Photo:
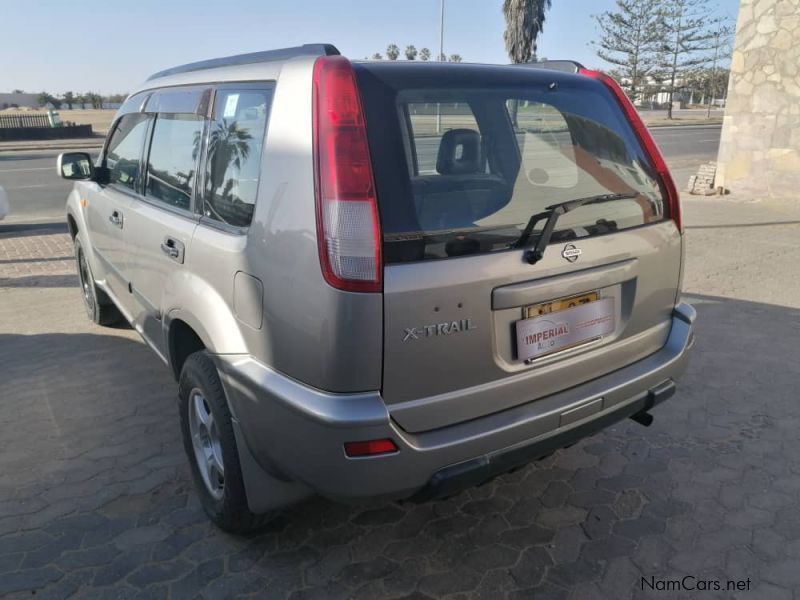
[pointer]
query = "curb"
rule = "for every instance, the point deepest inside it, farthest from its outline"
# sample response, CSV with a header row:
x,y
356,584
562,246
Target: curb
x,y
82,144
701,126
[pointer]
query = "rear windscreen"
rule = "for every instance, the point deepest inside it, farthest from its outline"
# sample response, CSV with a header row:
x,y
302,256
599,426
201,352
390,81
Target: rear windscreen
x,y
461,167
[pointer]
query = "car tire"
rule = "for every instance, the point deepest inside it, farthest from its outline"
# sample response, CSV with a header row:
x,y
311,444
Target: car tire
x,y
210,445
99,307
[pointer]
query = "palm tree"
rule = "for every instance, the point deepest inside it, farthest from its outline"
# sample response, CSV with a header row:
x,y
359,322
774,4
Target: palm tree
x,y
377,56
69,99
392,51
524,23
411,52
455,58
424,54
228,146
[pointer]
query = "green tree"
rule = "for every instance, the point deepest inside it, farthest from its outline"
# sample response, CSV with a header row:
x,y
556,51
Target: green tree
x,y
717,85
46,98
424,54
686,41
411,52
392,51
18,91
377,56
524,23
456,58
629,40
69,99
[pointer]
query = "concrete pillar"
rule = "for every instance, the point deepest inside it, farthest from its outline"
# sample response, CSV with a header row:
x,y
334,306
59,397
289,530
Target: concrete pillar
x,y
759,154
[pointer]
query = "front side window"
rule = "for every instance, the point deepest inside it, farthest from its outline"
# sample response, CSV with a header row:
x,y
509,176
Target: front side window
x,y
235,142
123,156
172,163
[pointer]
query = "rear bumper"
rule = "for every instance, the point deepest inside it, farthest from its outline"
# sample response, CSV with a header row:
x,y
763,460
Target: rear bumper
x,y
297,432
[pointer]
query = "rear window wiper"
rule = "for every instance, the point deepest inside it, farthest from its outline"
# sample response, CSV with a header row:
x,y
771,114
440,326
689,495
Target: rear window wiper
x,y
551,214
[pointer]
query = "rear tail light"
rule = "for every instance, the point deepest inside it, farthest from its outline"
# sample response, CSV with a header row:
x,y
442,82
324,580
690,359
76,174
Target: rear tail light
x,y
654,154
370,448
348,230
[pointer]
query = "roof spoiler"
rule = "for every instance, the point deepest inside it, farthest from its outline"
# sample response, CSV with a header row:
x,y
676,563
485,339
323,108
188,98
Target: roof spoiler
x,y
565,66
250,58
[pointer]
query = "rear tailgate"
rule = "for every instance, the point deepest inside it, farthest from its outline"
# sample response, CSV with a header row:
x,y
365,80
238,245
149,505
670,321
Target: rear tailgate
x,y
463,157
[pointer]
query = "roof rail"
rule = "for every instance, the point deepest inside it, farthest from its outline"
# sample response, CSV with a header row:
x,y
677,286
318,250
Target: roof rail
x,y
252,57
567,66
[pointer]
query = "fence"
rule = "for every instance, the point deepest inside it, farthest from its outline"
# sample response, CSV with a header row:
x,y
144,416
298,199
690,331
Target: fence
x,y
18,121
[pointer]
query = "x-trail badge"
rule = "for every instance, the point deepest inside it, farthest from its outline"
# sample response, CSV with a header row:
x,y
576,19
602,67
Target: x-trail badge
x,y
571,253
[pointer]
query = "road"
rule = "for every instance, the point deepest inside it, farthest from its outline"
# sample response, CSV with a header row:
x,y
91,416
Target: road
x,y
36,193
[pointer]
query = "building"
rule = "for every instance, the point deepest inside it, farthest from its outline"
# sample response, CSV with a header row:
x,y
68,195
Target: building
x,y
19,100
759,154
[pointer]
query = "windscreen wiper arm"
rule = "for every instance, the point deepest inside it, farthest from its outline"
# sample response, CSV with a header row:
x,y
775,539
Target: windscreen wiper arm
x,y
552,213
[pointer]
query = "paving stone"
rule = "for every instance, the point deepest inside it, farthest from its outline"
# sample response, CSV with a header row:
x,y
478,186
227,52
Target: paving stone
x,y
532,565
555,518
629,504
80,559
28,580
570,574
449,582
555,494
524,537
196,580
636,528
120,567
381,516
567,544
353,574
491,557
24,542
608,547
158,572
598,522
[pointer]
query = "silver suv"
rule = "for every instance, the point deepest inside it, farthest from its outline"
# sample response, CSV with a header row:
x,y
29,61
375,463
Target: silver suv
x,y
383,280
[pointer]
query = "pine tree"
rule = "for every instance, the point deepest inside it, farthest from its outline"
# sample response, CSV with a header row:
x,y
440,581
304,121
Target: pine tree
x,y
686,41
629,40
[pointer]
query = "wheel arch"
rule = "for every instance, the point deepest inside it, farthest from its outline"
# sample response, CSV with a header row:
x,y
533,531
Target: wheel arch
x,y
182,341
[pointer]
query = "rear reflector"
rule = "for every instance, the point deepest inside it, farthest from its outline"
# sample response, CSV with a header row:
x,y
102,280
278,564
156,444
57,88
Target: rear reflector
x,y
370,448
348,230
668,188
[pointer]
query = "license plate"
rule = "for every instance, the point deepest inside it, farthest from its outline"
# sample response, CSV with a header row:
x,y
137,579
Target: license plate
x,y
561,329
560,304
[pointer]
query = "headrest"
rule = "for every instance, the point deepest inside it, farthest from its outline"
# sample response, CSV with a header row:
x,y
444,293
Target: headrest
x,y
460,153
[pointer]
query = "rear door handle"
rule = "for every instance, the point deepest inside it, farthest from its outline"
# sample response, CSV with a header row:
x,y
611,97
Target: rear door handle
x,y
173,248
116,219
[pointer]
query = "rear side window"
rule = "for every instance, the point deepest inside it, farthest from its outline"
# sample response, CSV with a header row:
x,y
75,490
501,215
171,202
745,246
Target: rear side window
x,y
235,142
124,151
172,162
471,160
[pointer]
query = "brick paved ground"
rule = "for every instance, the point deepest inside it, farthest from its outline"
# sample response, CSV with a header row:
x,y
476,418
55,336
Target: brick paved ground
x,y
96,501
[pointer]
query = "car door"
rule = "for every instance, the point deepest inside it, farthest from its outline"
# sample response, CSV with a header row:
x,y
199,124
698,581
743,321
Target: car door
x,y
160,224
106,202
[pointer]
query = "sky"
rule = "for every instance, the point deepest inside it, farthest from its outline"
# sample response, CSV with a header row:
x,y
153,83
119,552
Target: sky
x,y
108,46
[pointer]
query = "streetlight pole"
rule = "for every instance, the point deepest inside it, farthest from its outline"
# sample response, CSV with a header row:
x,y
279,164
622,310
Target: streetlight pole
x,y
441,58
713,74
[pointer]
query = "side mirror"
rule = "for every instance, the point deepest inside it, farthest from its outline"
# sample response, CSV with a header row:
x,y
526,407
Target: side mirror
x,y
75,165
